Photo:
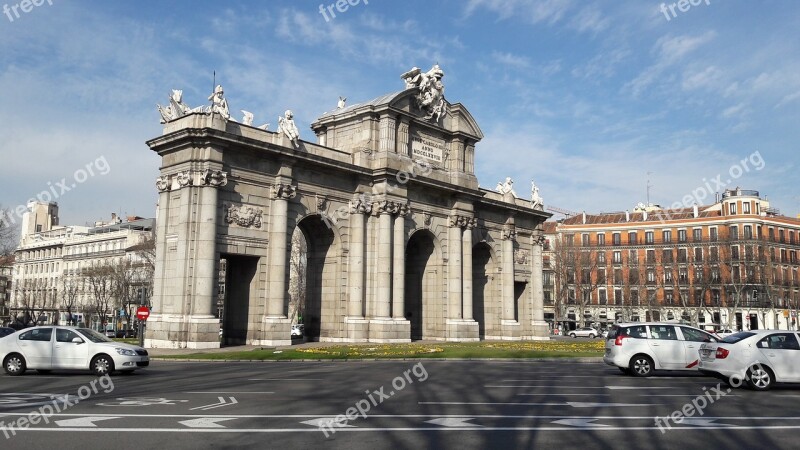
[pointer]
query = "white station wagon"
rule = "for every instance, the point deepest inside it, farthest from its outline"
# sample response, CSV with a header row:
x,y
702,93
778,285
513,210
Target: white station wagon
x,y
641,348
47,348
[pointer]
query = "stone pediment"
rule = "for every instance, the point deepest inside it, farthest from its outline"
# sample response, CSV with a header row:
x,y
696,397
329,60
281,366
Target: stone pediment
x,y
457,120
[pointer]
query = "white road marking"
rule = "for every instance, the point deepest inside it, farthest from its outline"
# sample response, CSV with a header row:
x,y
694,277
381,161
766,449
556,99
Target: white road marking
x,y
544,386
570,395
222,403
453,422
285,379
583,423
227,392
82,421
630,388
678,395
601,405
700,421
322,422
205,422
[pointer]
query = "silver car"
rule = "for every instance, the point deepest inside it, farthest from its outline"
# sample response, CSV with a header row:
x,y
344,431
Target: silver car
x,y
47,348
589,332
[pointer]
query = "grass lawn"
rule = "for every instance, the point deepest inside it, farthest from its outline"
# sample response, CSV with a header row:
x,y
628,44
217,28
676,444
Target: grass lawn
x,y
530,349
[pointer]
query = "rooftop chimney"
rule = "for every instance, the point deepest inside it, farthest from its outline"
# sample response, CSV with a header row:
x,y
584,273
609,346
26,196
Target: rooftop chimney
x,y
694,211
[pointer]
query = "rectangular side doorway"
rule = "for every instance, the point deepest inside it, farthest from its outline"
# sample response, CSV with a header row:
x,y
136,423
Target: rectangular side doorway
x,y
240,285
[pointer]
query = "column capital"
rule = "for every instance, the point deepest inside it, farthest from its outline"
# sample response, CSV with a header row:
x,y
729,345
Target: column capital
x,y
509,233
457,220
359,205
389,207
283,191
538,239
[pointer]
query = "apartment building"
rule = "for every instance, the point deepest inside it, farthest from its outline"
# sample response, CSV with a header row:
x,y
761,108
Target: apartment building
x,y
730,264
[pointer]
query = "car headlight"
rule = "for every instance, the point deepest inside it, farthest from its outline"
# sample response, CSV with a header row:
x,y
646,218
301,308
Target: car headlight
x,y
125,351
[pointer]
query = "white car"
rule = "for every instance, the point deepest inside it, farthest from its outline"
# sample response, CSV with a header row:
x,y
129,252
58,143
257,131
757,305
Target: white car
x,y
47,348
640,348
722,334
759,358
584,332
298,329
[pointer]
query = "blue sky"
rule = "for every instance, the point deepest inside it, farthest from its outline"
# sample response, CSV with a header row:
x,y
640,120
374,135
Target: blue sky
x,y
584,97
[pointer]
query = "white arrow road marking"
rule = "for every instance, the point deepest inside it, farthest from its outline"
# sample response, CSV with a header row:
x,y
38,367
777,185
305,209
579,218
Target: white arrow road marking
x,y
326,422
580,423
221,403
82,421
453,422
700,421
205,422
598,405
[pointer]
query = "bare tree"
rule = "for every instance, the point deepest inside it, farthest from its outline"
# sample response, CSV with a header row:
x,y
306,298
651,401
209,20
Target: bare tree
x,y
71,290
8,233
101,287
32,298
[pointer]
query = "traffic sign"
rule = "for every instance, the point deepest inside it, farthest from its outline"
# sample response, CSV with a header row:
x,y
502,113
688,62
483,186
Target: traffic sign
x,y
142,313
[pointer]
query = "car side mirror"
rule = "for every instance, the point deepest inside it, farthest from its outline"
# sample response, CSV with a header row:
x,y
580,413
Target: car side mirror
x,y
77,340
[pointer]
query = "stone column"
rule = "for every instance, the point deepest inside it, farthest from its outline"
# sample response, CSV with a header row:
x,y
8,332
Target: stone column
x,y
467,270
275,325
454,271
384,288
540,328
278,241
509,234
355,304
399,265
388,128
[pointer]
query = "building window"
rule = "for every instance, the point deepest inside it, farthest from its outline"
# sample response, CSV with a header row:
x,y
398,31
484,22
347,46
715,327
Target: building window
x,y
585,240
601,276
648,237
681,255
698,254
715,275
714,254
781,236
651,276
771,234
681,235
734,252
632,238
683,276
698,273
602,296
697,234
733,232
748,232
618,276
617,296
601,257
601,239
732,207
617,257
634,297
633,276
668,298
666,236
746,208
666,255
651,256
668,276
712,234
569,239
616,239
633,257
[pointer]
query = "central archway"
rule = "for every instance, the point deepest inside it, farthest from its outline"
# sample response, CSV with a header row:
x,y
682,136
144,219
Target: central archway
x,y
322,265
423,287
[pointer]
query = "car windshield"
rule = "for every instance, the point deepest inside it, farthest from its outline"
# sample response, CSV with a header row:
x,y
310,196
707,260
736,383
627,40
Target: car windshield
x,y
93,336
734,338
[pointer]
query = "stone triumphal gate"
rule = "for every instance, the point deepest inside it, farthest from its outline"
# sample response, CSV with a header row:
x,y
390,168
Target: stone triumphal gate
x,y
402,242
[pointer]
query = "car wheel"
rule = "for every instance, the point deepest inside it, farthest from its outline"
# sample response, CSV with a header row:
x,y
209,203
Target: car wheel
x,y
591,336
759,378
14,364
624,370
572,335
102,365
641,366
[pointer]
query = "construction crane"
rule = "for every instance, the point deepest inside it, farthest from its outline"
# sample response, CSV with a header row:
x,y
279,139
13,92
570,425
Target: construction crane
x,y
563,211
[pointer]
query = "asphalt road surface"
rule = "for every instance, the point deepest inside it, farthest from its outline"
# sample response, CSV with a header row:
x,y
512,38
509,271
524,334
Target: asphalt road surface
x,y
391,404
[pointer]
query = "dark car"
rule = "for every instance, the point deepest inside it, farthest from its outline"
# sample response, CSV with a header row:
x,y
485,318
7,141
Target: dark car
x,y
5,331
126,334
